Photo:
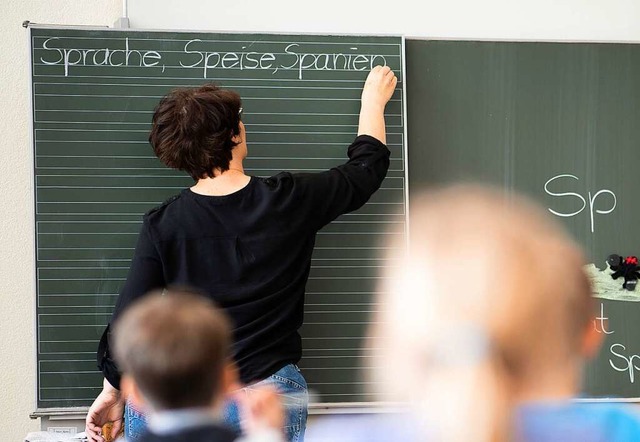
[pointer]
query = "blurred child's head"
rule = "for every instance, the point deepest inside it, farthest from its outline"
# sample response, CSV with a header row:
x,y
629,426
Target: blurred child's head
x,y
489,299
173,349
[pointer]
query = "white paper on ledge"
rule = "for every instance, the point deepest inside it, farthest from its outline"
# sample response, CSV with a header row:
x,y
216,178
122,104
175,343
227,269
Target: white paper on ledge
x,y
45,436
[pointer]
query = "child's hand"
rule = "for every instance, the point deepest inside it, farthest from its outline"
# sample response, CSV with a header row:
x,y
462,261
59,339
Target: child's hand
x,y
261,409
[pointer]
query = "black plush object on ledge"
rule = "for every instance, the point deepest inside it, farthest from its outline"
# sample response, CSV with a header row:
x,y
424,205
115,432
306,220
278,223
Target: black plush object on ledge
x,y
626,267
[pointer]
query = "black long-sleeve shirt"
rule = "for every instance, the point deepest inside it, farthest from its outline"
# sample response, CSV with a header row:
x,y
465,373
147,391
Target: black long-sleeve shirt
x,y
251,252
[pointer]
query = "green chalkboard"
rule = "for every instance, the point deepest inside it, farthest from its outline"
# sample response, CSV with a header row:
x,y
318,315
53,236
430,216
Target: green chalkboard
x,y
95,176
559,122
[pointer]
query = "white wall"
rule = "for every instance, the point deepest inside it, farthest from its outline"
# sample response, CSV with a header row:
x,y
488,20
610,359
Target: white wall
x,y
601,20
606,20
17,287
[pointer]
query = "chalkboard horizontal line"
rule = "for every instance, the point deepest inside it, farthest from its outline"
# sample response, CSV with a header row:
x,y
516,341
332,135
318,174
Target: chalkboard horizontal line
x,y
315,293
213,70
327,312
153,157
200,79
146,124
54,295
330,312
330,338
89,233
140,222
67,352
122,279
74,314
334,65
353,267
84,123
74,340
156,202
126,260
106,221
357,353
70,326
147,157
92,214
85,248
352,133
136,215
339,357
136,234
106,187
158,97
354,367
345,383
353,248
67,388
81,279
98,111
57,129
236,41
331,323
59,222
151,112
374,304
100,202
301,144
163,169
181,177
318,278
131,248
140,214
355,349
127,267
108,309
355,395
338,293
241,53
92,141
347,293
260,87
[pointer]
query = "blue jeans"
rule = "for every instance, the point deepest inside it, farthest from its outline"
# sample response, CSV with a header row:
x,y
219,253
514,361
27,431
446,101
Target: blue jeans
x,y
134,423
293,393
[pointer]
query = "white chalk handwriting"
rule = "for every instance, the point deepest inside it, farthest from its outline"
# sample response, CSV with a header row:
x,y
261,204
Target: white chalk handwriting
x,y
613,201
203,55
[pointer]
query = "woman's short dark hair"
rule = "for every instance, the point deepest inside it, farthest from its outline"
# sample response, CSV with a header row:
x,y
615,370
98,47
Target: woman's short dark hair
x,y
193,129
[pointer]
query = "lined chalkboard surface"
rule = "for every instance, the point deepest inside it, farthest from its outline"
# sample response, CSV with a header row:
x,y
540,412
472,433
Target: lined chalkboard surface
x,y
95,176
559,122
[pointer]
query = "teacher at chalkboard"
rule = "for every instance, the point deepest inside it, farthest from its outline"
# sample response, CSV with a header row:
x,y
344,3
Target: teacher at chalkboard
x,y
244,241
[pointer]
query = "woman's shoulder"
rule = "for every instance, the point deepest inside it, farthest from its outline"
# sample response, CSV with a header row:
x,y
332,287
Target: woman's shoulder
x,y
161,208
277,180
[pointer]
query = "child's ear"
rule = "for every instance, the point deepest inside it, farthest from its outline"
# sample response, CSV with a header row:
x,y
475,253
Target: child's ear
x,y
131,391
592,340
230,378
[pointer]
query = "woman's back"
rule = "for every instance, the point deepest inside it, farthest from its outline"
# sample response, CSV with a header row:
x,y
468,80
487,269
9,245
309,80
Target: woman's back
x,y
250,250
